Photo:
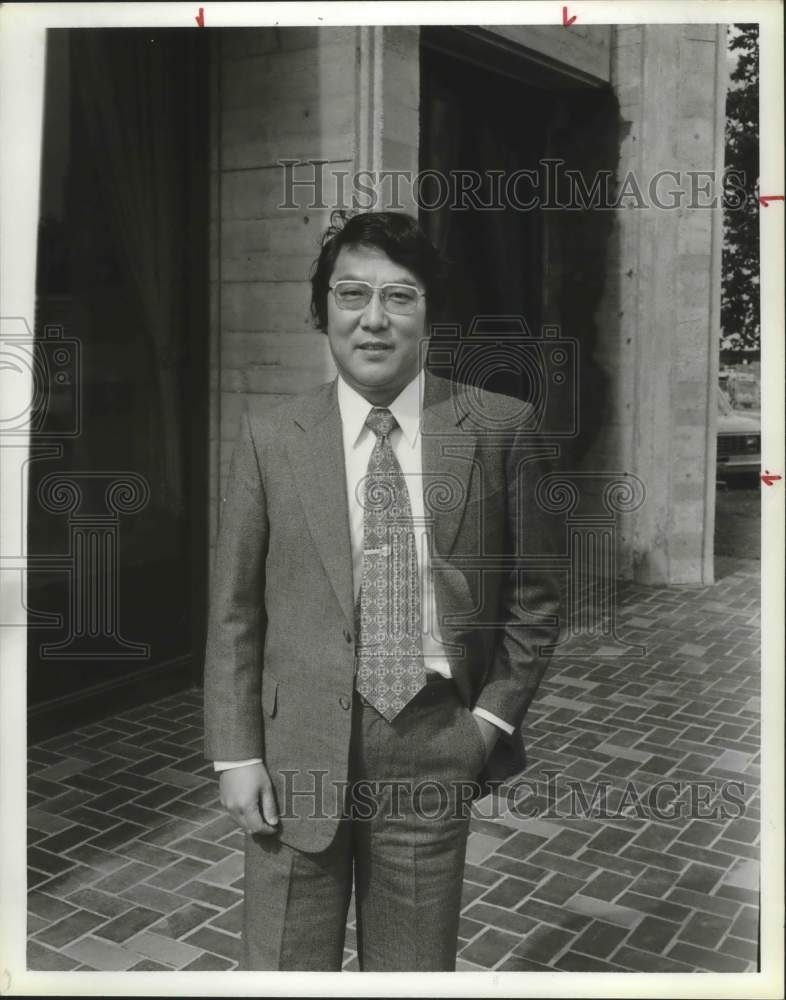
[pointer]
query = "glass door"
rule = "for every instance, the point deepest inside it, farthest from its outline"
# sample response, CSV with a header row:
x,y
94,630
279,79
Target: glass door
x,y
117,493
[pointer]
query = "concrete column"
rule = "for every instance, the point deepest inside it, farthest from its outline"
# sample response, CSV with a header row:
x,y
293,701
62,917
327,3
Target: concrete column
x,y
388,110
670,82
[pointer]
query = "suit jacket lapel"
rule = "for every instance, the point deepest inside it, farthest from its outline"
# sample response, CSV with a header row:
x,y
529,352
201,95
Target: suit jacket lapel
x,y
447,455
316,453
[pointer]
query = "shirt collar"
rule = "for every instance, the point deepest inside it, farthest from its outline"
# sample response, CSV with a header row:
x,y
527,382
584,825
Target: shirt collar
x,y
406,408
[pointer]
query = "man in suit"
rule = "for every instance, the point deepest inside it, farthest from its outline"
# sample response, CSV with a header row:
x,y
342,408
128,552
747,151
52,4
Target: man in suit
x,y
374,641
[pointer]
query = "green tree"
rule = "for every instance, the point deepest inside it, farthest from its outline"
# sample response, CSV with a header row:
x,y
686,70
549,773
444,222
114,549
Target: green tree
x,y
740,289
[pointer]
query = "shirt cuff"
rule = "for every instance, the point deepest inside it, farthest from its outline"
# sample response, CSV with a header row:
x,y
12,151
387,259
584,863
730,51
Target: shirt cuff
x,y
490,717
225,765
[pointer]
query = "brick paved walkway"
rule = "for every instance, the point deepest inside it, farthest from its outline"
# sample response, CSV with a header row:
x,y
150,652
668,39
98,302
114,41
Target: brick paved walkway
x,y
134,866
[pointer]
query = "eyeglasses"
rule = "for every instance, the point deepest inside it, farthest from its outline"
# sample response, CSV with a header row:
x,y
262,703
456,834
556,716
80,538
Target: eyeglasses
x,y
395,298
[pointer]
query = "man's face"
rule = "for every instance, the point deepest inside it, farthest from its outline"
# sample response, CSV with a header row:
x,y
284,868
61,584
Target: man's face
x,y
376,352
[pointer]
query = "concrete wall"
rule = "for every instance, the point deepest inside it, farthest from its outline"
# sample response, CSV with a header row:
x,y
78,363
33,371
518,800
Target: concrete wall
x,y
661,305
583,52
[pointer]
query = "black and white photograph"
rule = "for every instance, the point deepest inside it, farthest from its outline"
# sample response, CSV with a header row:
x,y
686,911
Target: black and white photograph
x,y
392,448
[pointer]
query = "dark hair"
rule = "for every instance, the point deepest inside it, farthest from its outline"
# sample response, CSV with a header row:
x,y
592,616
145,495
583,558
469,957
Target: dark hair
x,y
396,234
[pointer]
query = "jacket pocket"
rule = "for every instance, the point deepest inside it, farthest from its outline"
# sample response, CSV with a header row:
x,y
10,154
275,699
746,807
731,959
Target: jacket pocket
x,y
269,693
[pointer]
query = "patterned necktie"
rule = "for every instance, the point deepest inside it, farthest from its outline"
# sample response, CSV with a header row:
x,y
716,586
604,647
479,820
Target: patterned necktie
x,y
390,669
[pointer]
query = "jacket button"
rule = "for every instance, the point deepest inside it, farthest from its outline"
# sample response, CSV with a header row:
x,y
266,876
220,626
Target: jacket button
x,y
347,635
344,701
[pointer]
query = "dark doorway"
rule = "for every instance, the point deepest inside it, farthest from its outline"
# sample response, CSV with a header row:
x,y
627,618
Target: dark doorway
x,y
117,518
479,124
527,263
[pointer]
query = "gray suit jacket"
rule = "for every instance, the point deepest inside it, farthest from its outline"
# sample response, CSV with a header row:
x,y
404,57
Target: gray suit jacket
x,y
280,660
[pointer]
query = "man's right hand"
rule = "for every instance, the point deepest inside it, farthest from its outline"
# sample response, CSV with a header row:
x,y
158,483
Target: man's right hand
x,y
242,791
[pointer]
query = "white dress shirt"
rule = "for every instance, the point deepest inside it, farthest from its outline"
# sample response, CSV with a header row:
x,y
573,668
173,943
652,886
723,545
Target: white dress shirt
x,y
405,440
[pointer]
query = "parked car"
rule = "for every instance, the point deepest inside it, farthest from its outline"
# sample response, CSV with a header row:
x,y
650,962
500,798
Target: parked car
x,y
739,440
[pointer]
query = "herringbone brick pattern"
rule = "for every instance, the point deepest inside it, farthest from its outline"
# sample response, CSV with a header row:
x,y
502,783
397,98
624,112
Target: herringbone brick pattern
x,y
597,864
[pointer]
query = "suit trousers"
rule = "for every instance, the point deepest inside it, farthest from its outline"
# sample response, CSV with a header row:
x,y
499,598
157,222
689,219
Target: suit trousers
x,y
401,840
